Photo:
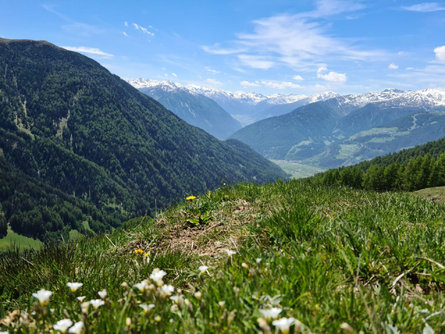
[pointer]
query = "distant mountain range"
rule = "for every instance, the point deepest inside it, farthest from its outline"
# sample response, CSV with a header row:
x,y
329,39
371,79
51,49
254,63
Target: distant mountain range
x,y
348,129
245,107
82,149
195,109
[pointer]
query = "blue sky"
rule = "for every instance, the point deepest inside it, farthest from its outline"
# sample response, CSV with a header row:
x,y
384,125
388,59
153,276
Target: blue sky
x,y
278,46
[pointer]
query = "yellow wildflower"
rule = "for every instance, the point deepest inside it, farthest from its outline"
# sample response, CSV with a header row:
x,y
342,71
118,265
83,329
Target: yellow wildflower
x,y
190,198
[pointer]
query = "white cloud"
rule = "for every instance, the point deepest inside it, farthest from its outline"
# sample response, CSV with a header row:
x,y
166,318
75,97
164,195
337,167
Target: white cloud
x,y
333,7
249,84
393,66
297,78
126,23
143,29
255,61
85,49
425,7
214,82
280,84
216,49
330,76
270,84
440,53
125,34
175,75
211,70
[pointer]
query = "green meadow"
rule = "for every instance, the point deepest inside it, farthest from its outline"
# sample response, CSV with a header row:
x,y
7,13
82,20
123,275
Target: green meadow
x,y
245,259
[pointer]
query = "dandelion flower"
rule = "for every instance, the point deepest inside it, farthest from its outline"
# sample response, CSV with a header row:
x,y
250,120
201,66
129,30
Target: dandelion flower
x,y
166,290
190,198
142,286
283,324
63,325
203,269
81,298
146,308
102,294
138,251
97,303
157,276
77,328
43,296
272,313
74,286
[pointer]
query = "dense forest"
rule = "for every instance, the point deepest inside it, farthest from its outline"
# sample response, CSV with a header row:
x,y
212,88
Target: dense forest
x,y
71,127
412,169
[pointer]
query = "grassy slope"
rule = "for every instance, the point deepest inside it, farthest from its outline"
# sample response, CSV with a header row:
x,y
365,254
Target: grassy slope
x,y
328,255
13,239
435,194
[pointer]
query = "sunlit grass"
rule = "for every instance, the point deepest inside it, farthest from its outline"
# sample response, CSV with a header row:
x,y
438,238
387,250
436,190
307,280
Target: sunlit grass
x,y
320,259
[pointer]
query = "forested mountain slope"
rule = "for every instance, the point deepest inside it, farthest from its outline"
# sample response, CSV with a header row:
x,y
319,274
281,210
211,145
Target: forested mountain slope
x,y
67,122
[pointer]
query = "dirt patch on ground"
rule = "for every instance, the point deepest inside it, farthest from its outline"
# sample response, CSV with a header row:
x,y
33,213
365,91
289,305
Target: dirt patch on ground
x,y
224,231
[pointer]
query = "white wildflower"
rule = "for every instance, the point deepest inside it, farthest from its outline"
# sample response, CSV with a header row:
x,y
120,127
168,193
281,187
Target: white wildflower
x,y
230,252
97,303
43,296
84,306
63,325
198,295
272,313
74,286
258,260
166,290
203,269
81,298
283,324
146,308
102,294
77,328
157,275
142,286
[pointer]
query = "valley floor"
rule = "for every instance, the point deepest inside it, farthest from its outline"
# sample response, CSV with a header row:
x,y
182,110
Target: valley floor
x,y
328,259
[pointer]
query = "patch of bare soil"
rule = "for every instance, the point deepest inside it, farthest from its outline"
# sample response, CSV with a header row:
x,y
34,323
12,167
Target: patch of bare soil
x,y
225,230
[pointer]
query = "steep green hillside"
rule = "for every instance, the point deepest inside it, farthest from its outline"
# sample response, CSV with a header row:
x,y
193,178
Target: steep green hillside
x,y
275,137
69,124
412,169
195,109
330,259
337,132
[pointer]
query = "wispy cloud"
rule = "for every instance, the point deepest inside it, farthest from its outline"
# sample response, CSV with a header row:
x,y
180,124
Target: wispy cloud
x,y
88,50
257,62
125,34
143,29
216,49
214,82
297,41
246,83
324,74
425,7
211,70
440,53
270,84
393,66
297,77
